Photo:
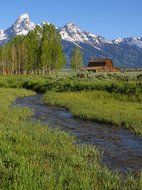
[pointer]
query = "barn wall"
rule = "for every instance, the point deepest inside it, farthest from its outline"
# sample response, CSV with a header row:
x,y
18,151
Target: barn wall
x,y
104,66
109,63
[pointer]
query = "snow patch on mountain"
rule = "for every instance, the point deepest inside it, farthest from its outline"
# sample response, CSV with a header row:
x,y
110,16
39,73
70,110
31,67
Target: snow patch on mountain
x,y
123,51
132,41
74,34
2,35
117,40
69,32
137,41
21,27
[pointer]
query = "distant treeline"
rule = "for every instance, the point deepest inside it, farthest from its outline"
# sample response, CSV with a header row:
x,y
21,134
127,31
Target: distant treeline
x,y
40,51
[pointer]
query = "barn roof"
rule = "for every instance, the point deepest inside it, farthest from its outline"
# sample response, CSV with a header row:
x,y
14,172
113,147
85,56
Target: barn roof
x,y
100,60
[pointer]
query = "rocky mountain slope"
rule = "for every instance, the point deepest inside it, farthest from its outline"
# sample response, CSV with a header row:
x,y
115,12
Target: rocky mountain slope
x,y
126,52
21,27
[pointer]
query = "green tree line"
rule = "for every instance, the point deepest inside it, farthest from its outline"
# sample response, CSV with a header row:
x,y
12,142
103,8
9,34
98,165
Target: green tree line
x,y
40,51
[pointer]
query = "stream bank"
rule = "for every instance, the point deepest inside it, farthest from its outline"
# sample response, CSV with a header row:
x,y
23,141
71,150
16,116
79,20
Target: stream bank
x,y
122,149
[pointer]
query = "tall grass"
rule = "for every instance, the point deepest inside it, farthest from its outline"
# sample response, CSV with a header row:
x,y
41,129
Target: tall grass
x,y
100,106
124,84
35,157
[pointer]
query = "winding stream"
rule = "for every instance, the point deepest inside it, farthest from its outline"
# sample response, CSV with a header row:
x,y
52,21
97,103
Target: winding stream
x,y
122,149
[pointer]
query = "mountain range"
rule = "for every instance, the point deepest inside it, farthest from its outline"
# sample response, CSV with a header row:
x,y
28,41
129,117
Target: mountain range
x,y
125,52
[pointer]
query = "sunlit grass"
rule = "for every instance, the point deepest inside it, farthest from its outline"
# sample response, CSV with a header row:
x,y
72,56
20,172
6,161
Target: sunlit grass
x,y
35,157
100,106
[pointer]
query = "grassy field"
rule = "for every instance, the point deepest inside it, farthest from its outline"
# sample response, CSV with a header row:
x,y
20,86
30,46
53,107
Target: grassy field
x,y
33,156
101,106
109,98
127,84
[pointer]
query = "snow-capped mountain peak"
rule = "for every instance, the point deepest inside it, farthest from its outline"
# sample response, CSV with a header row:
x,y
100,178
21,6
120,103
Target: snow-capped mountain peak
x,y
71,25
74,34
24,16
132,41
20,27
136,41
117,40
23,25
123,51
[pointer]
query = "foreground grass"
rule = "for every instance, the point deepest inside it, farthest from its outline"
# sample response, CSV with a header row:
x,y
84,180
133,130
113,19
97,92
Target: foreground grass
x,y
33,156
100,106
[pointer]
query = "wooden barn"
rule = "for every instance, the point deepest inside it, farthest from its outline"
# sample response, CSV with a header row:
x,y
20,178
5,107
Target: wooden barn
x,y
101,65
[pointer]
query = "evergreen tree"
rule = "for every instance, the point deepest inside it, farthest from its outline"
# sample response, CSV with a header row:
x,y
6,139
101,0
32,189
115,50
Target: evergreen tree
x,y
76,59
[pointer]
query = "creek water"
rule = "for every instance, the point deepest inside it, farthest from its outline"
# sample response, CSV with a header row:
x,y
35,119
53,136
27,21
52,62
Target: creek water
x,y
122,149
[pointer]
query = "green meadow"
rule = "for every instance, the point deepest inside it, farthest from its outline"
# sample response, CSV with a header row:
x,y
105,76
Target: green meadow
x,y
108,98
104,107
33,156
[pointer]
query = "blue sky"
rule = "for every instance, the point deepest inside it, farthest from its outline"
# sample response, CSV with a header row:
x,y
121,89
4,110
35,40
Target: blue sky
x,y
109,18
